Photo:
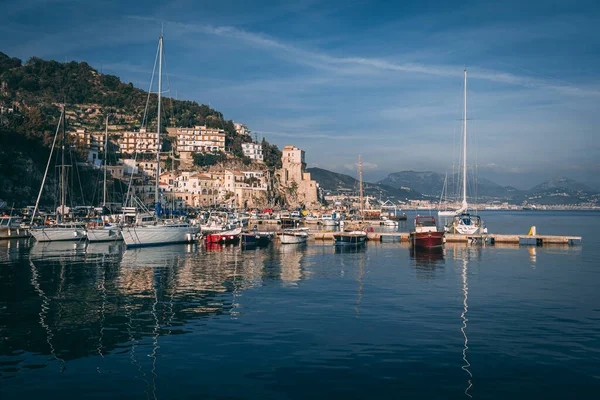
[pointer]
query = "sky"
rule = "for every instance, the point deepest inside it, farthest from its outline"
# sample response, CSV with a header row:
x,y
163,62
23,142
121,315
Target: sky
x,y
339,79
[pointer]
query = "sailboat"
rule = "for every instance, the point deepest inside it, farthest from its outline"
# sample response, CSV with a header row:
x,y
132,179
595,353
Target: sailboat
x,y
62,230
354,235
464,222
101,230
161,231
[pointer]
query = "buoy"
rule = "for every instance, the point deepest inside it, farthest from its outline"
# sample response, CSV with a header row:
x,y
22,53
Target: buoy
x,y
532,231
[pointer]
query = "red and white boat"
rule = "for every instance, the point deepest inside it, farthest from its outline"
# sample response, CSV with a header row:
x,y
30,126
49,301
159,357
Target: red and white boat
x,y
426,233
224,237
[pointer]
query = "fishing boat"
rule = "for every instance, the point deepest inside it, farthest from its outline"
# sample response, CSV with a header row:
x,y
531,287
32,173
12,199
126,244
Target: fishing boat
x,y
61,229
293,236
353,234
426,233
224,237
162,231
463,222
256,238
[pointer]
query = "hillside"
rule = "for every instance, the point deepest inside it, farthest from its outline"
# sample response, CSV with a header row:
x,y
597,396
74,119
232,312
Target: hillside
x,y
31,95
340,183
559,191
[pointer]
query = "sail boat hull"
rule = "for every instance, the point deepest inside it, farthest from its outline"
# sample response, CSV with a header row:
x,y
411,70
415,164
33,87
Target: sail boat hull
x,y
58,234
104,234
155,235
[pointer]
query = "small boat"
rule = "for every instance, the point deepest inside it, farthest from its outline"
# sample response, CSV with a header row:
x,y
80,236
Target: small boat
x,y
389,223
225,237
292,236
329,219
426,233
10,228
256,238
350,238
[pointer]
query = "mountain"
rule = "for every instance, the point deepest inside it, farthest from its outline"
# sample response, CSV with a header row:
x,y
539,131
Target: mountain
x,y
561,191
431,184
340,183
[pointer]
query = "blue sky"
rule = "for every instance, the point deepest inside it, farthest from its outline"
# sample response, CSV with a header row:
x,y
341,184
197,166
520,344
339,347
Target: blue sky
x,y
341,78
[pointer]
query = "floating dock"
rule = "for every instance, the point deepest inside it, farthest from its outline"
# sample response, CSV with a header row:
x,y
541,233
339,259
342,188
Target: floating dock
x,y
488,238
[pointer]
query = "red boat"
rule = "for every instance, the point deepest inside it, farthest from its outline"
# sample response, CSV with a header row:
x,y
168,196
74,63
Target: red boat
x,y
426,233
224,237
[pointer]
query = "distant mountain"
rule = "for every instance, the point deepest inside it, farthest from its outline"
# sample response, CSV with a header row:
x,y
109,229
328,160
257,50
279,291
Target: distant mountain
x,y
561,191
431,184
331,181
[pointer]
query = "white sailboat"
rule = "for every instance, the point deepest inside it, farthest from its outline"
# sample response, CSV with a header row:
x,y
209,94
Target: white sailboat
x,y
61,230
102,230
464,222
161,232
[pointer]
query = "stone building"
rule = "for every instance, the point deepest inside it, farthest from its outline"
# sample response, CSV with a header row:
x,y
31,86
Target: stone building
x,y
295,182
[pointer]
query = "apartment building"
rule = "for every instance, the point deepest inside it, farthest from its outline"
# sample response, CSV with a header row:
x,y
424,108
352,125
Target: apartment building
x,y
253,151
199,139
142,141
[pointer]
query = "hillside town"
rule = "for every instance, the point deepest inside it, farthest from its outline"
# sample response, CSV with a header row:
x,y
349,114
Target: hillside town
x,y
186,186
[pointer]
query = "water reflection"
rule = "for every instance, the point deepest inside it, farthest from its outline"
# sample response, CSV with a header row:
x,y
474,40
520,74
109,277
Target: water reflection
x,y
463,255
94,300
427,260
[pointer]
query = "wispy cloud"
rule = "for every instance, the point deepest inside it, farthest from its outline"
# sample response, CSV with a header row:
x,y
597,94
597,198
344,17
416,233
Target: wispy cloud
x,y
357,65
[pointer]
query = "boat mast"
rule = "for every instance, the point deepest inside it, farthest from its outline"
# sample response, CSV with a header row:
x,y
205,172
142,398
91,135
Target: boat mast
x,y
63,194
160,50
105,160
362,208
464,149
37,202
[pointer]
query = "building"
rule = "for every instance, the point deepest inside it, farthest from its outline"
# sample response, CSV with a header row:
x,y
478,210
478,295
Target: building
x,y
253,151
241,129
199,139
142,141
300,189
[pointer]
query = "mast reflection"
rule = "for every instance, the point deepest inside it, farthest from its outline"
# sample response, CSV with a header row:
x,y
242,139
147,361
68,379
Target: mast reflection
x,y
464,255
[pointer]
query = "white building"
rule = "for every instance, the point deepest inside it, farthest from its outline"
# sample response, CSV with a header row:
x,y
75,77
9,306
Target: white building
x,y
142,141
241,129
253,151
199,139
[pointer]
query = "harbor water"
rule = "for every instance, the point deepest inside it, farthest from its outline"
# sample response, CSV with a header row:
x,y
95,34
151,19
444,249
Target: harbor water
x,y
304,321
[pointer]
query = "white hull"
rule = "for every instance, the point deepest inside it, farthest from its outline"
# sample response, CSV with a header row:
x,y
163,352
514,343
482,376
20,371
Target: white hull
x,y
470,230
293,238
154,235
446,213
329,222
104,234
58,234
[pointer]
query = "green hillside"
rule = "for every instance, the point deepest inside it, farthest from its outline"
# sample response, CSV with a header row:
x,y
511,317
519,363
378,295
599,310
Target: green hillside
x,y
32,94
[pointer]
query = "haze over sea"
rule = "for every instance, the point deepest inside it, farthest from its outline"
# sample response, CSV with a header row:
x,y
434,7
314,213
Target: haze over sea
x,y
186,321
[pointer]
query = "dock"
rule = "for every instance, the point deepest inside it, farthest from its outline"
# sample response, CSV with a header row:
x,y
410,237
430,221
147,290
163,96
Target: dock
x,y
489,238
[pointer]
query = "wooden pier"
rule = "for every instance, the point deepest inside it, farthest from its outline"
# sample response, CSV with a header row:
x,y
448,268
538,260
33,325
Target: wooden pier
x,y
489,238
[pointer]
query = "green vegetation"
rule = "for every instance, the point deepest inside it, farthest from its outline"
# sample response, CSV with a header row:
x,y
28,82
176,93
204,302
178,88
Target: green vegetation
x,y
35,91
208,159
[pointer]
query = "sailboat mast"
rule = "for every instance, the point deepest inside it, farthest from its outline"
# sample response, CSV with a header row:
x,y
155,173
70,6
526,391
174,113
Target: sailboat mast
x,y
63,194
362,207
105,160
464,149
160,51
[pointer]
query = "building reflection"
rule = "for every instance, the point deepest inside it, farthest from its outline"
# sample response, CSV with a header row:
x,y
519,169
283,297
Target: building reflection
x,y
290,256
